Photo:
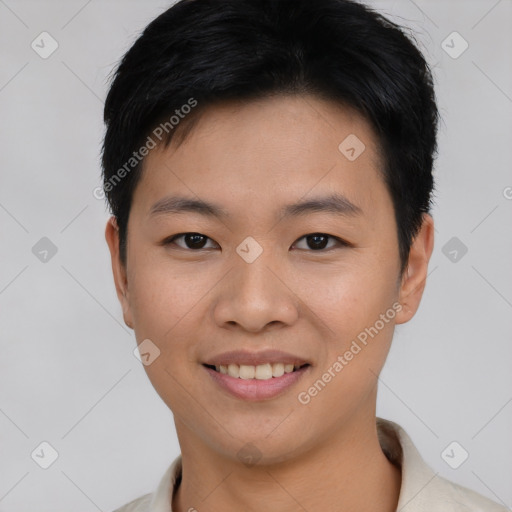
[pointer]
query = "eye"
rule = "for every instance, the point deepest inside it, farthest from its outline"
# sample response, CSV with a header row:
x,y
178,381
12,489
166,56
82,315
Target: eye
x,y
191,240
198,241
318,241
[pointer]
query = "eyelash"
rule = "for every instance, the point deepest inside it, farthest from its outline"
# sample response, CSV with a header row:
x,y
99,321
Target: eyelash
x,y
341,242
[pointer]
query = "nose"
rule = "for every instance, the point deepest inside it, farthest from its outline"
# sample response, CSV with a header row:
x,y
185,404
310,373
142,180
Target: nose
x,y
255,297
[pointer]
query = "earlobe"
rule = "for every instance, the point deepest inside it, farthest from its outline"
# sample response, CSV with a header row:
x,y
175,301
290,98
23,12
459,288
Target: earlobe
x,y
118,269
415,275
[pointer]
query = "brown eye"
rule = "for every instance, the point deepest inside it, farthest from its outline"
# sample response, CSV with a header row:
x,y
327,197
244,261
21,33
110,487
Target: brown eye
x,y
319,241
192,241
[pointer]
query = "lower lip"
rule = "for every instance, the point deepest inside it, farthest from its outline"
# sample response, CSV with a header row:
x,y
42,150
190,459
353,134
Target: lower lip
x,y
255,389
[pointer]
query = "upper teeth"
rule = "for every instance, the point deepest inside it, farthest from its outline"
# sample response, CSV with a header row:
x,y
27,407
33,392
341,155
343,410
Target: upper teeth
x,y
261,372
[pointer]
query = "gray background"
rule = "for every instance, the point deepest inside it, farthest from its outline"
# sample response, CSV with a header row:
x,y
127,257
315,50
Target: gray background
x,y
68,375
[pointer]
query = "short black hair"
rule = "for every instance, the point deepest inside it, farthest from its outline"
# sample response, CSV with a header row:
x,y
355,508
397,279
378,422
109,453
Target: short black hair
x,y
200,52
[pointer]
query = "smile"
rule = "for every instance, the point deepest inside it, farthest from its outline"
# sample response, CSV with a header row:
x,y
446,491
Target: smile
x,y
259,372
256,383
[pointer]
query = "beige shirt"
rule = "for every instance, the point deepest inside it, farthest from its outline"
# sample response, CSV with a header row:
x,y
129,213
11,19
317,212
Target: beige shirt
x,y
421,490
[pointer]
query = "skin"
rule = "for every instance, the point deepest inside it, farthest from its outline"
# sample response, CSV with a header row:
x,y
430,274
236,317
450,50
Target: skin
x,y
253,158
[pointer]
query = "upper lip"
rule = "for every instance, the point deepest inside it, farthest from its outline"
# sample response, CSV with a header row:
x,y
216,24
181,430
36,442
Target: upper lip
x,y
255,358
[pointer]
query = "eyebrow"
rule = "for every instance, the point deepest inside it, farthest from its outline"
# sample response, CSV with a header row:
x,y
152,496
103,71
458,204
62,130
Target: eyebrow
x,y
336,204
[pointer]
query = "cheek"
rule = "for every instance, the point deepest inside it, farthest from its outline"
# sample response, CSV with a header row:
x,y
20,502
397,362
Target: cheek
x,y
161,297
350,297
359,305
347,376
165,306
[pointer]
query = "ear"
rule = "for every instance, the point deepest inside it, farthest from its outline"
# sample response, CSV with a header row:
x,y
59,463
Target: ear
x,y
118,269
415,274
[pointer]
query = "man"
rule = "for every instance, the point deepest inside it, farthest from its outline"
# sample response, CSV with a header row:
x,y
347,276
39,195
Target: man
x,y
268,164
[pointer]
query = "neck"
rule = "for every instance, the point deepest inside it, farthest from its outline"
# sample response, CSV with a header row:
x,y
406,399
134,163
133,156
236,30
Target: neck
x,y
347,472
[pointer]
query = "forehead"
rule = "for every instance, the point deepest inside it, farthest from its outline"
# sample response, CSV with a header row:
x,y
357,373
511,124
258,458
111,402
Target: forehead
x,y
262,152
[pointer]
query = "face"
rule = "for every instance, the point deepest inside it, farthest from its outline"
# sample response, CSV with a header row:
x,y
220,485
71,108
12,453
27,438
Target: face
x,y
293,261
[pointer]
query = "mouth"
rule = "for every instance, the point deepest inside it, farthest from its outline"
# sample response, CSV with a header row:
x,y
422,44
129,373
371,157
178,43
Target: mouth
x,y
259,372
256,383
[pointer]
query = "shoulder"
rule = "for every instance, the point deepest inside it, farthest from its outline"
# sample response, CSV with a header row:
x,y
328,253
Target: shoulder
x,y
424,490
160,499
459,498
138,505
